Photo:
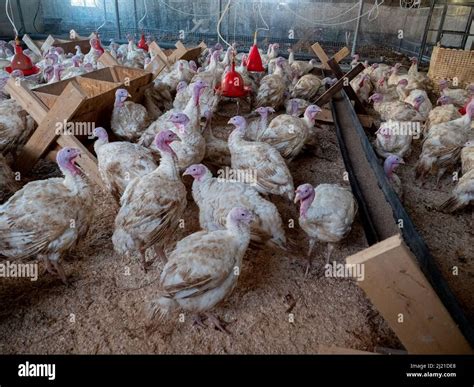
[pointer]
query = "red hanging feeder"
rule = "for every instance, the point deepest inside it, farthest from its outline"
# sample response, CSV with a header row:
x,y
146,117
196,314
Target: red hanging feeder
x,y
232,84
21,61
254,61
142,43
95,43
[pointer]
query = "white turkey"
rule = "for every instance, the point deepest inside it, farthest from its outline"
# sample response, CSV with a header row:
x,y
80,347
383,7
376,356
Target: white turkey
x,y
16,126
8,183
46,218
129,119
152,206
216,196
272,88
288,134
326,214
442,146
272,174
396,110
201,271
390,164
392,140
307,87
443,113
120,162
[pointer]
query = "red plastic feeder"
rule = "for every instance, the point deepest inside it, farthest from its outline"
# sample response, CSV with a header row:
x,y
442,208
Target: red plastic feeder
x,y
22,62
232,85
142,43
254,61
95,43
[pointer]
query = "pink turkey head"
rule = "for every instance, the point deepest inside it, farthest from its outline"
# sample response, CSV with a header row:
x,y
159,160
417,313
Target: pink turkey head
x,y
376,97
164,139
264,111
239,123
418,101
66,158
199,87
182,85
193,65
304,194
180,121
403,82
391,163
443,84
101,134
121,96
413,60
312,111
280,61
197,171
470,109
240,215
443,100
88,67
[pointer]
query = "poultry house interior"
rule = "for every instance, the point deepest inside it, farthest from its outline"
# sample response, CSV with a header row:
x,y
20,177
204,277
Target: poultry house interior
x,y
199,197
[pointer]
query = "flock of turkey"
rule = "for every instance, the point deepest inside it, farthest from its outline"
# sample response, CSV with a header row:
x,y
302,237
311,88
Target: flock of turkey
x,y
172,136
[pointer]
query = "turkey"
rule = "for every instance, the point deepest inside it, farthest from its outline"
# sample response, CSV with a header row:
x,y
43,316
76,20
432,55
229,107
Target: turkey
x,y
390,164
120,162
424,107
326,214
363,87
458,97
129,119
442,146
443,113
192,147
46,218
288,134
395,77
396,110
94,54
300,67
307,87
272,174
8,184
391,140
217,196
463,193
192,111
201,270
16,126
181,72
256,127
183,95
296,106
152,206
272,88
467,156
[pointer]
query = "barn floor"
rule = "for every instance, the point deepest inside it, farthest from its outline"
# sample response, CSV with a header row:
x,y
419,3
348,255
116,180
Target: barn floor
x,y
104,309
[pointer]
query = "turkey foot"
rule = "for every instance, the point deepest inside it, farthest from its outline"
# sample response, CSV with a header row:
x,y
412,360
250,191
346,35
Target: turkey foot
x,y
59,269
198,321
217,323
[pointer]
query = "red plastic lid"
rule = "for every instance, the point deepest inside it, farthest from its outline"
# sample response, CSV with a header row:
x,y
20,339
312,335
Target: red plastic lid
x,y
142,43
232,84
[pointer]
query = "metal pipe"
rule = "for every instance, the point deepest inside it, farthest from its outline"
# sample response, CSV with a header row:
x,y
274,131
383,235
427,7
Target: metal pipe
x,y
356,33
467,29
135,17
117,19
439,35
425,33
20,14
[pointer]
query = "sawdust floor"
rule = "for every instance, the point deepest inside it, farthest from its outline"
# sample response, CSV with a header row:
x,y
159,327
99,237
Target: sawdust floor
x,y
104,309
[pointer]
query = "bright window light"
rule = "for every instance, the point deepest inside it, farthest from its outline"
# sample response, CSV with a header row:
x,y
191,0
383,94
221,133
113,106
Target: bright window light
x,y
83,3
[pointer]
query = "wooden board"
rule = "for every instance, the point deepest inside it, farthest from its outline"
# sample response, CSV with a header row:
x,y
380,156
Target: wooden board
x,y
45,134
326,97
27,99
333,350
31,44
398,289
108,60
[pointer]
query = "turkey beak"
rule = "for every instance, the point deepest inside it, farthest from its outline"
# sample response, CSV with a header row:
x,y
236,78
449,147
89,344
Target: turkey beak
x,y
129,95
297,197
402,161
